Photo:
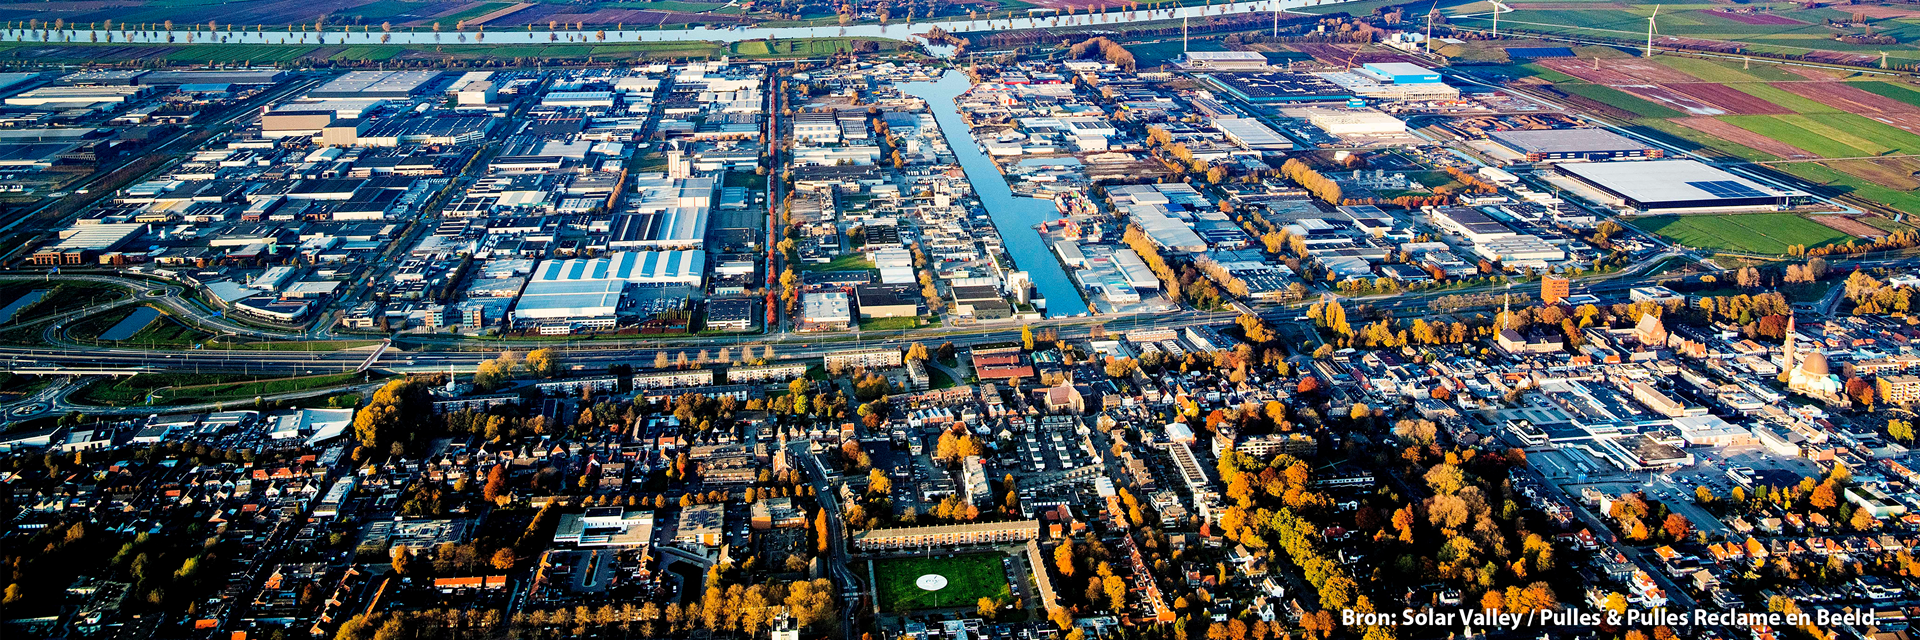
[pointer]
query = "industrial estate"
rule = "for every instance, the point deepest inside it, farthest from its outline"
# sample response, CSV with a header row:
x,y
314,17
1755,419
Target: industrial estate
x,y
959,321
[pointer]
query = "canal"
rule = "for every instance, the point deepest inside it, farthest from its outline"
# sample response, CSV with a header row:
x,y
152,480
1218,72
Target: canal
x,y
1012,215
344,34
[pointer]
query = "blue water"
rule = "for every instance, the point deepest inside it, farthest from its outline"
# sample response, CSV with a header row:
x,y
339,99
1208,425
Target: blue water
x,y
133,323
1012,215
7,312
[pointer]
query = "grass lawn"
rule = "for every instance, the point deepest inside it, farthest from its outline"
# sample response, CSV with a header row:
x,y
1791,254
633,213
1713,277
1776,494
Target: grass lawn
x,y
193,388
892,324
846,262
801,47
940,378
969,578
1769,233
747,179
1158,53
162,332
290,345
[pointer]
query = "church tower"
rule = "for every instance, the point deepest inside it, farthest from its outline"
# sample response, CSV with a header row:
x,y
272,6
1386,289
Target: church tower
x,y
1787,351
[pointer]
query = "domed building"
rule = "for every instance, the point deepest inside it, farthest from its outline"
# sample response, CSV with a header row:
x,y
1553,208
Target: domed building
x,y
1813,378
1810,374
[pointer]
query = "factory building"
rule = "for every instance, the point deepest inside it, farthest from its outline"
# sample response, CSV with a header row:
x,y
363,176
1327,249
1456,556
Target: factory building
x,y
297,120
1540,145
1355,122
559,307
83,243
1223,60
1279,86
90,95
394,132
647,268
377,84
1677,185
1470,224
664,213
825,311
1251,135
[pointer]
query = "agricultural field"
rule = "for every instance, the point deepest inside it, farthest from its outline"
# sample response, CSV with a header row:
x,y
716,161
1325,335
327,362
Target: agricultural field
x,y
1773,27
1766,233
474,11
969,578
1846,133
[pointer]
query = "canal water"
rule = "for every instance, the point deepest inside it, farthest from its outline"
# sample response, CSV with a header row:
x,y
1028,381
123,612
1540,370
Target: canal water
x,y
345,35
1012,215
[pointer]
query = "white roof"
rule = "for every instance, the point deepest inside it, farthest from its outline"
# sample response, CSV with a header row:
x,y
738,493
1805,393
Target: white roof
x,y
1251,133
1657,181
1399,68
1226,55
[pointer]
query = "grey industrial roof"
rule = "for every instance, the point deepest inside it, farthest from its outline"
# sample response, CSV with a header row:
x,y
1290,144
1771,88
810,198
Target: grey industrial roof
x,y
1565,141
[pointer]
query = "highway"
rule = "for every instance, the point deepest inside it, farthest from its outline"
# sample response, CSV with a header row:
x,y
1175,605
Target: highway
x,y
594,356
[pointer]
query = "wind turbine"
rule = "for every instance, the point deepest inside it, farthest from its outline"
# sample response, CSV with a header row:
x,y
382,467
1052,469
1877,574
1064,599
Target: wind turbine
x,y
1650,19
1496,17
1430,13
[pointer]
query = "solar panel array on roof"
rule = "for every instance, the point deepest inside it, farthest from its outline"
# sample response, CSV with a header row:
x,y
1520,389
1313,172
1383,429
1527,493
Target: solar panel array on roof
x,y
1677,184
1728,189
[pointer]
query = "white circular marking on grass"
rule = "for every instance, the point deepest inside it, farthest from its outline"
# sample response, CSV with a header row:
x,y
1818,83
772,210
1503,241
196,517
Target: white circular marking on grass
x,y
931,582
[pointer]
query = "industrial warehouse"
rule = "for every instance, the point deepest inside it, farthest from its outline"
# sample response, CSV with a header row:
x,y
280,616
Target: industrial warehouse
x,y
1538,145
1676,185
1279,86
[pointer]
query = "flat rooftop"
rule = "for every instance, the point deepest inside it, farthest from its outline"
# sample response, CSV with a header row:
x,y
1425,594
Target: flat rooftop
x,y
1675,183
1565,141
1279,86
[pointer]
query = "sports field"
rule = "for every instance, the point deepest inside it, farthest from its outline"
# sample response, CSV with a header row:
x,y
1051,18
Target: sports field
x,y
969,578
1768,233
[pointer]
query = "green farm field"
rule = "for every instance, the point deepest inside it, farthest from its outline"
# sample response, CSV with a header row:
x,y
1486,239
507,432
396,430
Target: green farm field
x,y
1787,28
1768,233
1833,135
969,578
1902,92
474,11
1857,147
1620,100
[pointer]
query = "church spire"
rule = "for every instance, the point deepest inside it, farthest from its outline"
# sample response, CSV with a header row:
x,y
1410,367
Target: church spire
x,y
1787,350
